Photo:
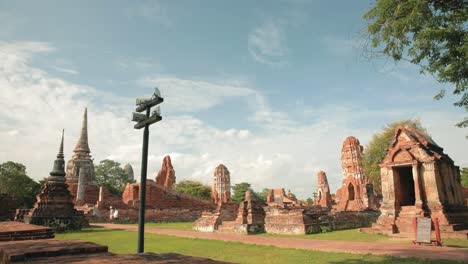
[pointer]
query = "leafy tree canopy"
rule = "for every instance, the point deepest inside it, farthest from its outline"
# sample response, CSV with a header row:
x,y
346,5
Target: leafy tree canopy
x,y
464,177
376,149
13,180
239,191
262,196
110,174
428,33
194,188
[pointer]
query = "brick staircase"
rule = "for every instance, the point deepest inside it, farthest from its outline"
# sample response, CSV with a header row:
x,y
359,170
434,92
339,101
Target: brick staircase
x,y
13,231
226,227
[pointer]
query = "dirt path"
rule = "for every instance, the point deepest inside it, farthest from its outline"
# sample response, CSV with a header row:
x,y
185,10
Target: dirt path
x,y
376,248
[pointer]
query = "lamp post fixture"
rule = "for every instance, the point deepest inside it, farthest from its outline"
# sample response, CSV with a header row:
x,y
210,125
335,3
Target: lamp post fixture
x,y
144,121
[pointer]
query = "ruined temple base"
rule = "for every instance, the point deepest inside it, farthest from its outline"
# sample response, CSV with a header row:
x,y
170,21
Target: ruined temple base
x,y
76,251
13,231
59,224
452,224
300,221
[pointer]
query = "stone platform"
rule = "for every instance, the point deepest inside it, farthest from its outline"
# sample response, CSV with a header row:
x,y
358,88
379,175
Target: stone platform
x,y
77,251
11,231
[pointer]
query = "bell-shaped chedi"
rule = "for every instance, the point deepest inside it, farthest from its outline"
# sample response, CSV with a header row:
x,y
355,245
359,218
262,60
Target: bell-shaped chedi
x,y
128,169
419,179
221,190
80,170
323,191
166,175
356,193
54,206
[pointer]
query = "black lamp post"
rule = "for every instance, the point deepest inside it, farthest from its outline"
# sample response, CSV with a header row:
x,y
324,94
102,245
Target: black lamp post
x,y
144,121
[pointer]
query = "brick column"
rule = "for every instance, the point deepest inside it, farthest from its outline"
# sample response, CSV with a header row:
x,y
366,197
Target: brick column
x,y
417,187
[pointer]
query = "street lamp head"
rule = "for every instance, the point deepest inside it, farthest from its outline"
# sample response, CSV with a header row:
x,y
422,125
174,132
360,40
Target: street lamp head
x,y
137,117
157,111
156,93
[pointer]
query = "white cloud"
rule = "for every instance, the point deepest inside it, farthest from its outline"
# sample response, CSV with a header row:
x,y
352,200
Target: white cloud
x,y
65,70
267,44
35,106
190,95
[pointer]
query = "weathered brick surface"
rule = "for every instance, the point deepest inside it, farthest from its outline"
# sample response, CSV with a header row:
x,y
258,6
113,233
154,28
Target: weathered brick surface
x,y
221,189
166,175
13,231
419,180
76,251
323,191
8,205
356,192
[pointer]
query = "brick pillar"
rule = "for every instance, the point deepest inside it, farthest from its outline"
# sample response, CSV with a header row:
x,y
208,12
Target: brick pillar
x,y
417,187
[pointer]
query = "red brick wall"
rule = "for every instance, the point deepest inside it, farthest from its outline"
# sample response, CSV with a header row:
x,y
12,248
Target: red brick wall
x,y
8,205
159,197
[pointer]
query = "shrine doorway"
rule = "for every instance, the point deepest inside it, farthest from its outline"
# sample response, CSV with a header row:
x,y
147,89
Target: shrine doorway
x,y
405,185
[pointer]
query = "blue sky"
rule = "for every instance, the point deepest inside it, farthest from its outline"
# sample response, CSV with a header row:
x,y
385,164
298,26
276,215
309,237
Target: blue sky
x,y
270,88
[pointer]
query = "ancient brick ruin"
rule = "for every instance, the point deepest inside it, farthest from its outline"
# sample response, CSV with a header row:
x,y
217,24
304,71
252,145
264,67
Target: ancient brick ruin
x,y
356,192
80,170
163,202
166,176
246,217
54,206
323,191
128,169
279,197
8,205
24,243
221,189
419,180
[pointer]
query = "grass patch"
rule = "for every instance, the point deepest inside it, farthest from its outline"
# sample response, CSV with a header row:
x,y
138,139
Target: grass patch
x,y
121,241
340,235
185,226
355,235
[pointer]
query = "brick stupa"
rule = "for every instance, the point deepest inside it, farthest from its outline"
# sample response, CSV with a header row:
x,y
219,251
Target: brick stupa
x,y
323,191
80,170
221,190
54,206
166,176
356,192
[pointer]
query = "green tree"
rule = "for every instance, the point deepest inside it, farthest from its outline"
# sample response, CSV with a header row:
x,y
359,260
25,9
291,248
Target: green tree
x,y
376,150
110,175
13,180
310,201
428,33
194,188
262,196
464,177
239,191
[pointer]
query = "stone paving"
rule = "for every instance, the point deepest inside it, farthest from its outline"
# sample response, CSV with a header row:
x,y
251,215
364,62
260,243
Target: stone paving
x,y
399,250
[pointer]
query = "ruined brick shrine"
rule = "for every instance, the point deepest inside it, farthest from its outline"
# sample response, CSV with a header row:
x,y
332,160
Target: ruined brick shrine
x,y
221,188
419,180
166,176
323,191
80,170
356,192
279,197
54,206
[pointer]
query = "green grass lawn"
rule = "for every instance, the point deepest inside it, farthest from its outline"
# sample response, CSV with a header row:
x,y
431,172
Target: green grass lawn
x,y
341,235
355,235
121,241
